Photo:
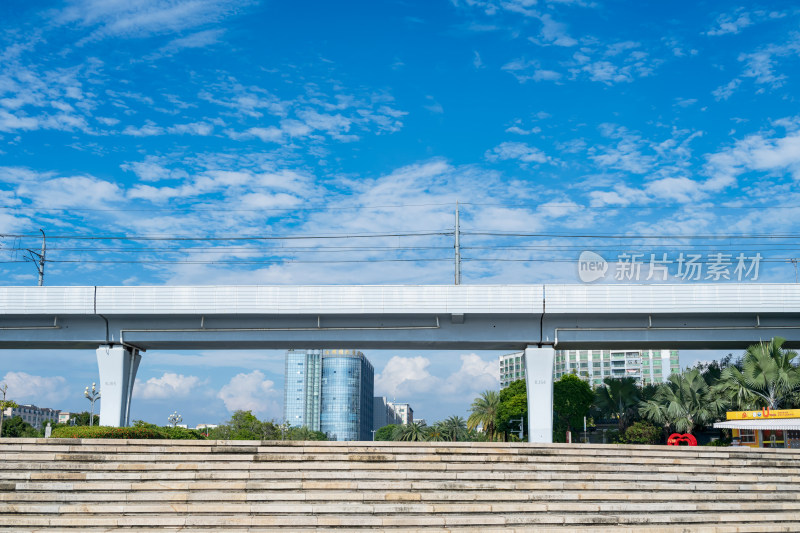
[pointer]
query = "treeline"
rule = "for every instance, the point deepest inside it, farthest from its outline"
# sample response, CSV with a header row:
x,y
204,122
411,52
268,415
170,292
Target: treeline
x,y
493,416
765,376
243,425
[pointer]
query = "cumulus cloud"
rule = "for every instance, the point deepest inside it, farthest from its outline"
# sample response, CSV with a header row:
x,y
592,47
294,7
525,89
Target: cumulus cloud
x,y
251,392
405,376
474,375
43,391
169,385
761,152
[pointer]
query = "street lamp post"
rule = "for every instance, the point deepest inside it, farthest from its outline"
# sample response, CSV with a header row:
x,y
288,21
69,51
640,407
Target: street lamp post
x,y
92,396
175,419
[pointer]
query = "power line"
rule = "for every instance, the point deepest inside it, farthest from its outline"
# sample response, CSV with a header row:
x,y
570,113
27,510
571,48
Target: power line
x,y
362,235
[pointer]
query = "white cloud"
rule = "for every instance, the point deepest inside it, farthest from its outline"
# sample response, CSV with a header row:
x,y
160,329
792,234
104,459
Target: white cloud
x,y
143,17
193,128
525,70
517,150
73,191
251,392
149,129
555,32
169,385
201,39
9,122
41,391
405,377
474,376
724,92
759,152
731,23
477,62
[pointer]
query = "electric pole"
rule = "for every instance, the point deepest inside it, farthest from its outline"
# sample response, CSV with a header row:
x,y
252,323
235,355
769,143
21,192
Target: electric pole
x,y
458,249
38,258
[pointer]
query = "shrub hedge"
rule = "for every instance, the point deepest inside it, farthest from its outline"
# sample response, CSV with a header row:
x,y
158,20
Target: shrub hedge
x,y
106,432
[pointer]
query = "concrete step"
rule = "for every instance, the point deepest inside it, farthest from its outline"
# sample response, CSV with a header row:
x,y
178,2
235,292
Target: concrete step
x,y
231,522
320,496
79,485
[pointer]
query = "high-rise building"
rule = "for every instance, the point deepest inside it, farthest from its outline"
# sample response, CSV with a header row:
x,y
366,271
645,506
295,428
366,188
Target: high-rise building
x,y
301,388
647,367
329,391
512,368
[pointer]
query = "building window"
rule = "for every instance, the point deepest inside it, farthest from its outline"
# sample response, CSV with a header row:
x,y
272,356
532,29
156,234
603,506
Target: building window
x,y
747,436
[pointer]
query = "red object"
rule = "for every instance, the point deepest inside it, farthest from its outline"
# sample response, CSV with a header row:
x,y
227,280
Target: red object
x,y
677,439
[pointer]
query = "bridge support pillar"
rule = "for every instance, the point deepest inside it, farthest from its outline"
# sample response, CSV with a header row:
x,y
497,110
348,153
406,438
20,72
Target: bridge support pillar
x,y
539,381
118,366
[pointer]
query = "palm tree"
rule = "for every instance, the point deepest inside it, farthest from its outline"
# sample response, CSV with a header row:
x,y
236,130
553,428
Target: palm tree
x,y
415,431
435,433
768,378
484,412
683,403
733,387
618,397
454,428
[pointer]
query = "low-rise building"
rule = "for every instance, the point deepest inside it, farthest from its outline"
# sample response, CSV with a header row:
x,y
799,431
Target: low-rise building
x,y
385,413
403,411
37,417
766,428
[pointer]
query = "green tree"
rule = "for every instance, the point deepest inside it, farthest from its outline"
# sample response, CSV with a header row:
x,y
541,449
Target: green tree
x,y
483,412
386,432
303,433
454,429
683,403
513,406
17,427
82,419
572,399
641,432
5,404
768,377
415,431
244,425
618,398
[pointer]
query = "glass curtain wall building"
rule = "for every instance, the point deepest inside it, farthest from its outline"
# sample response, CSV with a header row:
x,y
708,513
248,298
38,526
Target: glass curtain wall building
x,y
330,391
301,388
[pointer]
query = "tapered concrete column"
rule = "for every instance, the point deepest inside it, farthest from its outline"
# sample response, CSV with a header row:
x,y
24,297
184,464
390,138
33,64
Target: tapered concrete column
x,y
118,366
539,380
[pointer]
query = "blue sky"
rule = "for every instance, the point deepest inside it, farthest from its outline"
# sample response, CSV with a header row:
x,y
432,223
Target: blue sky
x,y
559,126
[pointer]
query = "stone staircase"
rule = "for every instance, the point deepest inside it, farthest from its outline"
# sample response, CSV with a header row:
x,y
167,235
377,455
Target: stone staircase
x,y
146,485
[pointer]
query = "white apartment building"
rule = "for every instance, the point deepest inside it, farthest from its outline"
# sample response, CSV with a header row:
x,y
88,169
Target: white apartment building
x,y
647,367
403,411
